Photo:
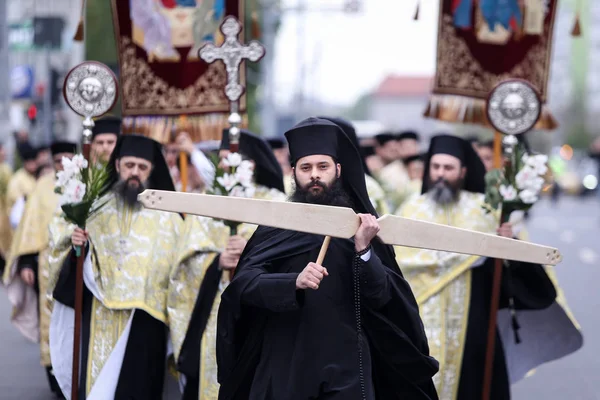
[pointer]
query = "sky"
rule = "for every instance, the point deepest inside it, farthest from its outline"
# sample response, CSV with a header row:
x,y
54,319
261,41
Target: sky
x,y
347,55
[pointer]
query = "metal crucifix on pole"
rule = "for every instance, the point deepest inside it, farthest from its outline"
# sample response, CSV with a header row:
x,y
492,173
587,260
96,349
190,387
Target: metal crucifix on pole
x,y
232,52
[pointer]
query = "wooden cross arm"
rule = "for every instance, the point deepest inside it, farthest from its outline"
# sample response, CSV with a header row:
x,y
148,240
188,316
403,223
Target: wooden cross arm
x,y
343,222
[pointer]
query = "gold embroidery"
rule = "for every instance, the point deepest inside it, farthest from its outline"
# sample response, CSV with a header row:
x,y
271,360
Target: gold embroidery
x,y
204,238
106,328
441,282
145,93
459,73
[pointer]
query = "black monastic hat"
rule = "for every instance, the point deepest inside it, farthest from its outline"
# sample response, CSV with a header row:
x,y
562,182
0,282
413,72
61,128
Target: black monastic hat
x,y
410,159
267,171
461,149
148,149
350,131
277,143
58,147
367,151
26,151
107,124
407,135
384,137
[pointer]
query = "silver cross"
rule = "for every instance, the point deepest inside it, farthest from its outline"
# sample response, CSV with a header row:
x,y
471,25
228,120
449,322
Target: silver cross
x,y
232,53
122,251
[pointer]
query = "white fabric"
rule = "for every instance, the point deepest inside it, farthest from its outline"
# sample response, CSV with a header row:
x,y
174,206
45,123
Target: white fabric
x,y
367,256
106,384
205,168
62,327
546,335
16,212
25,303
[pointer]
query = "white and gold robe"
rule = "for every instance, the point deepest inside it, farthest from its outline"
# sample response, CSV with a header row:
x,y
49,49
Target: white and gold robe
x,y
127,268
441,282
31,315
207,238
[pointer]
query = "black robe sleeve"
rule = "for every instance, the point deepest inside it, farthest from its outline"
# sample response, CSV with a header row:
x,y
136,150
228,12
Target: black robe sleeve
x,y
401,362
64,291
376,285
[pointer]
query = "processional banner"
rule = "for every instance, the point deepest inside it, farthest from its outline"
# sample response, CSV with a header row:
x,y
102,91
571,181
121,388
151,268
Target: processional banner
x,y
482,42
161,75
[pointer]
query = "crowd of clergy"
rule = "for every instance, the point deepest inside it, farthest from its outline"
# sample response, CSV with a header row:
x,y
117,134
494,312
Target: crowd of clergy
x,y
246,313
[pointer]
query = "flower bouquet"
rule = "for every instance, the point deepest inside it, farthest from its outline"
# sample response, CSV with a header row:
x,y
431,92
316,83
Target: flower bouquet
x,y
233,177
518,186
80,186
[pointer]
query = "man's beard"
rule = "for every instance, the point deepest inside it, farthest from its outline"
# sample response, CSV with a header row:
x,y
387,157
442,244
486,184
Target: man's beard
x,y
332,195
443,192
129,194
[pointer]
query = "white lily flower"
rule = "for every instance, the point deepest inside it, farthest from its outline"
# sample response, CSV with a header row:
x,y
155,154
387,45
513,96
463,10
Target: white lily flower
x,y
508,192
233,160
228,181
528,196
524,176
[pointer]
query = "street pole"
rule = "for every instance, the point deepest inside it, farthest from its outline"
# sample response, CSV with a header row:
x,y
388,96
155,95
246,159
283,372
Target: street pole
x,y
47,100
4,74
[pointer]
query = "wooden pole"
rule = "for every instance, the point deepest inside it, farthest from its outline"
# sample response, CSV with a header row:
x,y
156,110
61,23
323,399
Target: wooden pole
x,y
78,302
183,161
323,250
495,300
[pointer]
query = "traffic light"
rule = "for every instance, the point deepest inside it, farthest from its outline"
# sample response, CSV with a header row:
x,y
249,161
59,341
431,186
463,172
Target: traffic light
x,y
32,113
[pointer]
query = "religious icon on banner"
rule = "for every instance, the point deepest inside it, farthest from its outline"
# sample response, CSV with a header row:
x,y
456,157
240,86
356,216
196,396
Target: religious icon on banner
x,y
161,73
161,27
498,21
483,42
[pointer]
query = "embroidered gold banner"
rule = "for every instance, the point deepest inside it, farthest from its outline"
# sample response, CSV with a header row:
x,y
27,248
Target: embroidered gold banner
x,y
161,74
481,43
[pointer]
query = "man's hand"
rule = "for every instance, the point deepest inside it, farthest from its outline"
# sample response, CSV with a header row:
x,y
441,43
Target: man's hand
x,y
184,141
311,276
27,276
368,229
79,237
231,256
506,230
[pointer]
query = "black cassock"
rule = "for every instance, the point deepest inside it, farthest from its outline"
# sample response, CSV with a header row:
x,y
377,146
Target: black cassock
x,y
188,362
359,336
143,369
531,289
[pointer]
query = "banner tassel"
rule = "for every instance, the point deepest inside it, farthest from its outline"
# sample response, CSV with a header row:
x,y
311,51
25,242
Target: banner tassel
x,y
576,32
416,17
79,32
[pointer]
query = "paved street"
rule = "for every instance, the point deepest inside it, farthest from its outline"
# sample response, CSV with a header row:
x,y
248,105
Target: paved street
x,y
573,227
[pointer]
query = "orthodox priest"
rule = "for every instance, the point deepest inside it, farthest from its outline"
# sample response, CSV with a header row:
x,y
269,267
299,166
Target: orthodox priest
x,y
348,329
282,154
105,133
26,277
393,177
22,183
5,228
130,253
195,293
453,290
376,193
